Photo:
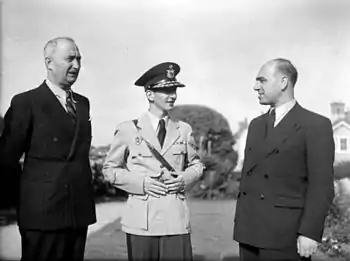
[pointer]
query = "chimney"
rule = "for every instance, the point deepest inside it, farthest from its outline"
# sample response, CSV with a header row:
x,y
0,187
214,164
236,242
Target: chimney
x,y
337,111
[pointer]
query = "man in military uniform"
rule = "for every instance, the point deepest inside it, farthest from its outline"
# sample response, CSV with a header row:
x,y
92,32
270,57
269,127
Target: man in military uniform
x,y
156,219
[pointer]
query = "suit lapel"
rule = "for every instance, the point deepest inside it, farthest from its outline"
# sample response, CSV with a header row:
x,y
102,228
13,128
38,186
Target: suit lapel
x,y
172,134
53,108
283,131
265,147
256,144
147,131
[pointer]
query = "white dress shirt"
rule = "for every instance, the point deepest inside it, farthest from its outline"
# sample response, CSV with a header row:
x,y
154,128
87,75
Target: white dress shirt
x,y
60,94
155,121
282,110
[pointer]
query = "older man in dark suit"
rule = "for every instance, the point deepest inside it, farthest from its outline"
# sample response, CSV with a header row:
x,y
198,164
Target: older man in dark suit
x,y
287,178
51,126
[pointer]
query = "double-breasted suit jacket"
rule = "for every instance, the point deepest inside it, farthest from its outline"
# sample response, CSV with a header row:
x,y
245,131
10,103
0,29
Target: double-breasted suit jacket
x,y
129,161
287,180
55,183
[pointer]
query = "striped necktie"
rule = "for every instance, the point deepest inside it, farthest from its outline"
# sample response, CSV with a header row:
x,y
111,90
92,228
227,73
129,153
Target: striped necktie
x,y
70,105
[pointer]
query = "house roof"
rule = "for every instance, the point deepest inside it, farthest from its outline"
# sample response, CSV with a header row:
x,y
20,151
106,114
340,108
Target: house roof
x,y
345,118
339,123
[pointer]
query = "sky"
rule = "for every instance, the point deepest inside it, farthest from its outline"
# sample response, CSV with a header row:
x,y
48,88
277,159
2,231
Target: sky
x,y
220,46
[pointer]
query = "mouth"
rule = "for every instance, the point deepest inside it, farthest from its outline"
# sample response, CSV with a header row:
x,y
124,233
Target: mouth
x,y
74,74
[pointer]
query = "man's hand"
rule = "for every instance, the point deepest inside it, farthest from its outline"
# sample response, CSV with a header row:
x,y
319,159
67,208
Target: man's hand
x,y
154,187
306,246
176,184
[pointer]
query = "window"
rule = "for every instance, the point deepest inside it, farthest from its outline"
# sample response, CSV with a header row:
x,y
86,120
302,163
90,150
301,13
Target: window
x,y
343,144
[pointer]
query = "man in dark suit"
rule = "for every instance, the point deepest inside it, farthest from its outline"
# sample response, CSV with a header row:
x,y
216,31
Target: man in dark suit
x,y
51,126
287,177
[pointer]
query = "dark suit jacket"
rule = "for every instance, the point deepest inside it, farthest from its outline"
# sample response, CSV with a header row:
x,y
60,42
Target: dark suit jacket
x,y
55,188
287,180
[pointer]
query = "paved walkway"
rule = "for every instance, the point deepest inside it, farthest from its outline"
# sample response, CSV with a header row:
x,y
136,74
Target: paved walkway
x,y
108,213
10,241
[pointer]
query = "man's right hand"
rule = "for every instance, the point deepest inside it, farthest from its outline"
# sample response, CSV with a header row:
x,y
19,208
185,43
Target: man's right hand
x,y
154,188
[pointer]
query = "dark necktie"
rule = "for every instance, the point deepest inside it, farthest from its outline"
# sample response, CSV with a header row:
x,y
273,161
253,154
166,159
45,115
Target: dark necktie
x,y
161,132
271,121
70,105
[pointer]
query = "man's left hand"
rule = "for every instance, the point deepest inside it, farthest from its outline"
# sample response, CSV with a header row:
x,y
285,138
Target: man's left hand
x,y
176,184
306,246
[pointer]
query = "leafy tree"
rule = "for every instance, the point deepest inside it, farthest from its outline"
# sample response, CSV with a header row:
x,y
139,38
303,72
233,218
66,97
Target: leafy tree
x,y
215,142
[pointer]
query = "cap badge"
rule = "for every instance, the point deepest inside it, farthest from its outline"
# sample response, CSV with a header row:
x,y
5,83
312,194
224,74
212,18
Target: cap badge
x,y
138,140
170,72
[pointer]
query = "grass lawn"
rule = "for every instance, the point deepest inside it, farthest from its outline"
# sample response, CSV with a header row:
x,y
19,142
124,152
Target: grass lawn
x,y
212,225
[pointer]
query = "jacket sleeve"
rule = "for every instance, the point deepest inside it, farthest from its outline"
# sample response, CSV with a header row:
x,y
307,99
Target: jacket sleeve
x,y
320,190
15,137
115,166
194,167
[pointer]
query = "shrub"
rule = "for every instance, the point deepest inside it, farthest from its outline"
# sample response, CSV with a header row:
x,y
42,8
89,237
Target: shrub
x,y
337,229
342,170
337,225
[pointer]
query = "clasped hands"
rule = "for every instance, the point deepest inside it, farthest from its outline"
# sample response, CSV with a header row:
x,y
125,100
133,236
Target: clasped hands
x,y
173,183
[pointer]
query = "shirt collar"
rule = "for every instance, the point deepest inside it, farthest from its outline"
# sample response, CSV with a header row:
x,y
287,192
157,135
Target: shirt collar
x,y
284,108
155,120
58,91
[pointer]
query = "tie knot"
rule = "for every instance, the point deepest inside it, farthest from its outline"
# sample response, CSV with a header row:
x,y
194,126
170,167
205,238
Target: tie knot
x,y
69,95
272,114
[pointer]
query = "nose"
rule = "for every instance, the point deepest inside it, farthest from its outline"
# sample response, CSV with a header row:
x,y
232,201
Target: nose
x,y
256,86
76,64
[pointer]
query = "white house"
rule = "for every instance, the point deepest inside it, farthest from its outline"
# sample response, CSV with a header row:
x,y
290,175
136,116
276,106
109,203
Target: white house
x,y
340,118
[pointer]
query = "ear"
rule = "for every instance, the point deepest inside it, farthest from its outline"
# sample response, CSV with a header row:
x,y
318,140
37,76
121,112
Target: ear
x,y
150,95
48,62
284,83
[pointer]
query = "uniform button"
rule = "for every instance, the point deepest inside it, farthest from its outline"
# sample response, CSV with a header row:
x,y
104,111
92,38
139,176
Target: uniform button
x,y
65,186
249,173
262,196
55,139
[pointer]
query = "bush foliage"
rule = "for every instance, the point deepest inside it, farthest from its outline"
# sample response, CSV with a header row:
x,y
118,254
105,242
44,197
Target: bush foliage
x,y
335,242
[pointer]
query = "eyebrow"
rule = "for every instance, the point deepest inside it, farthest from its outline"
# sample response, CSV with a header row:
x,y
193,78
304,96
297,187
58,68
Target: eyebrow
x,y
260,79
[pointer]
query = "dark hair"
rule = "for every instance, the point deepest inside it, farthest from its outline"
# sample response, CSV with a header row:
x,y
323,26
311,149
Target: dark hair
x,y
286,67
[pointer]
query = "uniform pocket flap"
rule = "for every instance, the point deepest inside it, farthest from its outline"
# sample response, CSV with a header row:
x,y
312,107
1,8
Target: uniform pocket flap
x,y
289,202
141,197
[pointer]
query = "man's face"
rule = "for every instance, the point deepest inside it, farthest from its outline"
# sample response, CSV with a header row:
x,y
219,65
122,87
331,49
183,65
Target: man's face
x,y
268,85
65,63
163,98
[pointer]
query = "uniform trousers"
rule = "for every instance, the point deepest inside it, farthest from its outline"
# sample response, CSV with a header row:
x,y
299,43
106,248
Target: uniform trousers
x,y
159,248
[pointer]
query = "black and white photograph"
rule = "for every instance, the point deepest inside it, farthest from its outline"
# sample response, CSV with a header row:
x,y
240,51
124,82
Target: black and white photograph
x,y
175,130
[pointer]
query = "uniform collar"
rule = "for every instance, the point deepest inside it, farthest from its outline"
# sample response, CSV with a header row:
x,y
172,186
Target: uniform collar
x,y
155,120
